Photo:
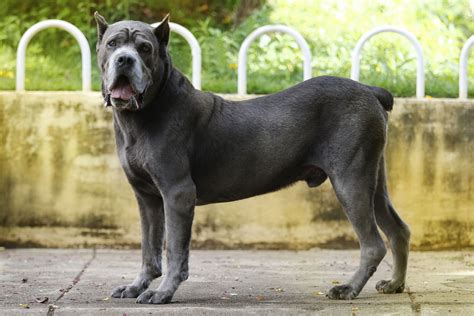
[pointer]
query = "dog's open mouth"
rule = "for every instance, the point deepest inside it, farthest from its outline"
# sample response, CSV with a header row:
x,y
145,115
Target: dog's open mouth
x,y
122,91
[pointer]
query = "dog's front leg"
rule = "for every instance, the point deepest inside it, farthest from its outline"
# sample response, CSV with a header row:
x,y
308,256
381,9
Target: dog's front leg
x,y
152,224
179,202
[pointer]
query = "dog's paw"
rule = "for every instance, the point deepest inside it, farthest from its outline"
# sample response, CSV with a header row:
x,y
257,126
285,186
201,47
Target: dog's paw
x,y
389,287
155,297
342,292
127,291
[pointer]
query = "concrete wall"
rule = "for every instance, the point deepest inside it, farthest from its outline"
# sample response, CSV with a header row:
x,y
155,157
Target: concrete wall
x,y
61,184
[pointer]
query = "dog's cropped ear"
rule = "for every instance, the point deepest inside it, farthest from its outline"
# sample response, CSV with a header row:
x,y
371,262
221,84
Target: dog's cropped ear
x,y
101,25
162,31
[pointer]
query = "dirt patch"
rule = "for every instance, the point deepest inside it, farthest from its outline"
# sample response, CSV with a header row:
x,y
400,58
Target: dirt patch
x,y
446,234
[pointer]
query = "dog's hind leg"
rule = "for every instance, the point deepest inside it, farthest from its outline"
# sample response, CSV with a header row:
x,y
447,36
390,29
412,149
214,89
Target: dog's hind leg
x,y
354,182
397,233
152,224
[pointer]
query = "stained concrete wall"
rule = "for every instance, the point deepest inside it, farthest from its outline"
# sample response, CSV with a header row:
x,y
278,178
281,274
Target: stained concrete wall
x,y
61,184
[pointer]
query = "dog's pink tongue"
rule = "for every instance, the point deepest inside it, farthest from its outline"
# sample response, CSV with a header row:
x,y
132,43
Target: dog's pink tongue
x,y
123,92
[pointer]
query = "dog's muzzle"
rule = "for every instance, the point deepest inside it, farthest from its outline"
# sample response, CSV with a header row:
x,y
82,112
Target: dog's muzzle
x,y
125,90
123,95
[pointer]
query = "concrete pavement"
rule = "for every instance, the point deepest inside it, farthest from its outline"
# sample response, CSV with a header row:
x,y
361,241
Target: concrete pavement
x,y
78,282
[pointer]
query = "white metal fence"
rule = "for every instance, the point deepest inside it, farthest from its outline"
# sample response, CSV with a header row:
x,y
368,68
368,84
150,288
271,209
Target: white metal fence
x,y
242,63
195,50
242,59
420,69
74,31
463,67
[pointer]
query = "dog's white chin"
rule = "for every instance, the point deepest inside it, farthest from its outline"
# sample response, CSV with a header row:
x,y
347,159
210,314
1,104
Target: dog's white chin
x,y
125,105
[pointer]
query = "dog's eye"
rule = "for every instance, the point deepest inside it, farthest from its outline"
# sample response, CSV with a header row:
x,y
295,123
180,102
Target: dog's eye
x,y
112,43
145,49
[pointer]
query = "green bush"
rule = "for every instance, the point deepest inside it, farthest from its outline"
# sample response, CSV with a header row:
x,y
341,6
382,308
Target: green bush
x,y
331,28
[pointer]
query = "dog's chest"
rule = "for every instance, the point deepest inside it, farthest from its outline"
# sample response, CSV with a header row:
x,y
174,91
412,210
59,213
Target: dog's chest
x,y
132,156
132,159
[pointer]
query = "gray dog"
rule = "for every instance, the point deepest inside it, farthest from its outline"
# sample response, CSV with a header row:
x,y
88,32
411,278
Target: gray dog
x,y
181,147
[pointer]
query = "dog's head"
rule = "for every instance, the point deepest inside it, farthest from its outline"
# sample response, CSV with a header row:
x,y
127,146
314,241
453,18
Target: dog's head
x,y
132,58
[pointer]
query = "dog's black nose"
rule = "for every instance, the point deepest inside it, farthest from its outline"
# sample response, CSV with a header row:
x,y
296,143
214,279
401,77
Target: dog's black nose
x,y
125,60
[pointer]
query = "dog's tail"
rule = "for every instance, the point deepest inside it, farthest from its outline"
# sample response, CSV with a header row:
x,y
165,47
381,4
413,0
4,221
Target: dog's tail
x,y
385,98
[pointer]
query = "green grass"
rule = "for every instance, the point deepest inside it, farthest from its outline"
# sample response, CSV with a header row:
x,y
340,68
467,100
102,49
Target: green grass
x,y
331,28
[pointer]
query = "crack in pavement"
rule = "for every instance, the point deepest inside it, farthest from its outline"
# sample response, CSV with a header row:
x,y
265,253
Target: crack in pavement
x,y
77,278
416,307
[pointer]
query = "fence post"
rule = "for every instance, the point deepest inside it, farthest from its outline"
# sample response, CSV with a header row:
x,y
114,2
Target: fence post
x,y
242,62
463,68
71,29
420,69
195,50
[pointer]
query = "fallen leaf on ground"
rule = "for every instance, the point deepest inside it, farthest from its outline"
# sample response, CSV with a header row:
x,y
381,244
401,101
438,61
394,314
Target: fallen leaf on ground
x,y
24,306
41,300
260,297
106,298
335,282
319,293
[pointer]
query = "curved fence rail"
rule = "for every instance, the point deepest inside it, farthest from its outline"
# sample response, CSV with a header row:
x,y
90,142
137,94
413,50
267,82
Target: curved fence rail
x,y
73,30
242,63
420,69
195,50
242,59
463,67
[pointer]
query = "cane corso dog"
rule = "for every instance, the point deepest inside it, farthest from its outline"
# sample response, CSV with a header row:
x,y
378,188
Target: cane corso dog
x,y
181,147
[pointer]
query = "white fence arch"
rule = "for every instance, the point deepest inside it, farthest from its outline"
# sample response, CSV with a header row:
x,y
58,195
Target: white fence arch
x,y
242,63
195,50
71,29
420,69
463,67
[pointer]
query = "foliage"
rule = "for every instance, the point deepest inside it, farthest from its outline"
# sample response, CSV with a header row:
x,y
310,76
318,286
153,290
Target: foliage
x,y
331,28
